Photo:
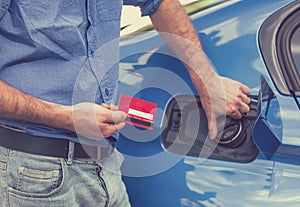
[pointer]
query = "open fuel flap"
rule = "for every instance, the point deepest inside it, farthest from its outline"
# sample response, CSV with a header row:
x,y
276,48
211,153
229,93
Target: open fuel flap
x,y
185,132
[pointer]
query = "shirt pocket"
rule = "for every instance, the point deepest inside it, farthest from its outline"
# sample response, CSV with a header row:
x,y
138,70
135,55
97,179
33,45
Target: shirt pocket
x,y
109,10
4,5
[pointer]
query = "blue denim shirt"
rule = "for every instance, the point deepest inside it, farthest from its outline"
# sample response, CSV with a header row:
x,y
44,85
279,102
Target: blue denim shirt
x,y
62,51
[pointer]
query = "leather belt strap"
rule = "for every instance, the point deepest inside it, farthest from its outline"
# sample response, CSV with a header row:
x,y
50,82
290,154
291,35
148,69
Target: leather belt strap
x,y
46,146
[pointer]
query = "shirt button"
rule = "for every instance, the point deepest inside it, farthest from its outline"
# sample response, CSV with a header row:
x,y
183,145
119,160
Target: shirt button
x,y
106,91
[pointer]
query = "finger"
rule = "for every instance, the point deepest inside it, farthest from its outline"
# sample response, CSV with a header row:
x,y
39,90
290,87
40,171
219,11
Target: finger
x,y
113,107
236,114
115,116
245,89
244,107
106,106
244,98
120,125
213,130
110,107
109,129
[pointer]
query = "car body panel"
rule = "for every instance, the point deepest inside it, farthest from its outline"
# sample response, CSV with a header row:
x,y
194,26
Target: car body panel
x,y
280,113
149,70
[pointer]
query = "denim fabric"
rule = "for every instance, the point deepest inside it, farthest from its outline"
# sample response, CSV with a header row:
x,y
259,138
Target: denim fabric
x,y
62,51
38,181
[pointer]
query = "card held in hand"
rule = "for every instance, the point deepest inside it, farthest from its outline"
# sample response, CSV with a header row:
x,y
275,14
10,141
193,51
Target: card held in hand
x,y
139,112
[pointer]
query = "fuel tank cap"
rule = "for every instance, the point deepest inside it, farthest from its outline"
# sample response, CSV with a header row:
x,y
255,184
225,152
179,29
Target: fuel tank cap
x,y
231,135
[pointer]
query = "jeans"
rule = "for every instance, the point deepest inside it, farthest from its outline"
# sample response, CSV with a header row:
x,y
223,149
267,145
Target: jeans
x,y
28,180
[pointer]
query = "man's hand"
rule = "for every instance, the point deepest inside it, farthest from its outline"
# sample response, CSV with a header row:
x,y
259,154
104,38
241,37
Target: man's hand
x,y
237,100
222,97
97,121
219,95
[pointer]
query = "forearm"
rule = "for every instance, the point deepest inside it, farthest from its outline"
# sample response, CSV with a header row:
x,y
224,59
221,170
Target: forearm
x,y
176,28
219,96
17,105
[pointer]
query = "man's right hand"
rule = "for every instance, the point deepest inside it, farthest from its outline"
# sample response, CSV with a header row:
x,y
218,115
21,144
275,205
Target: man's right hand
x,y
96,121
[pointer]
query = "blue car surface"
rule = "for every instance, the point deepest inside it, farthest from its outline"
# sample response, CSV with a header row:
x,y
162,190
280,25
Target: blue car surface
x,y
256,162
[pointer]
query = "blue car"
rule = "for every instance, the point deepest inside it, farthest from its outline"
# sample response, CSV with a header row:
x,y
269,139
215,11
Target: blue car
x,y
256,160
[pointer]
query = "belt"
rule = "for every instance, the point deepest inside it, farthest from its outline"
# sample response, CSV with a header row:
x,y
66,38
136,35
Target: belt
x,y
47,146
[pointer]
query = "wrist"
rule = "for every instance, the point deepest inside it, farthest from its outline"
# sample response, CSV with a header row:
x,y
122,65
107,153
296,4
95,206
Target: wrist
x,y
203,77
58,116
65,117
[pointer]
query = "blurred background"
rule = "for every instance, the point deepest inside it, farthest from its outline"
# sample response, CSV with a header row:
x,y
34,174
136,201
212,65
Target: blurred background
x,y
133,23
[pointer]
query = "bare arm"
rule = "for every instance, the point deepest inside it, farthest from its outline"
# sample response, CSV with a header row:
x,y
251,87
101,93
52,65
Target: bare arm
x,y
87,118
219,95
20,106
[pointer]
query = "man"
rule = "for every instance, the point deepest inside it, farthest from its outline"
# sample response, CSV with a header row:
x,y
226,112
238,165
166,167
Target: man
x,y
58,77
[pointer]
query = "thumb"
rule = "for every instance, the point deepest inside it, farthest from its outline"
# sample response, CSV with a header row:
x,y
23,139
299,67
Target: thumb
x,y
115,116
212,127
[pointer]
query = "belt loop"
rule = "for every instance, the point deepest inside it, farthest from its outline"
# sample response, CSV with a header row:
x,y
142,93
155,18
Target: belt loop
x,y
98,153
71,153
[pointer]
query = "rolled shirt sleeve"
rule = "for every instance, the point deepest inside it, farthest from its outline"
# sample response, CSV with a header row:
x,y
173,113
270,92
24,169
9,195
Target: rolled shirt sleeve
x,y
148,7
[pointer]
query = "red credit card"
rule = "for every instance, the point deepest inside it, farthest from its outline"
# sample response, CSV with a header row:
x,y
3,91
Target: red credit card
x,y
139,112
